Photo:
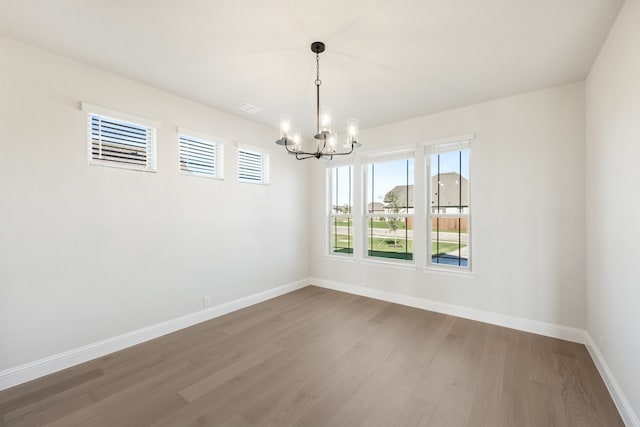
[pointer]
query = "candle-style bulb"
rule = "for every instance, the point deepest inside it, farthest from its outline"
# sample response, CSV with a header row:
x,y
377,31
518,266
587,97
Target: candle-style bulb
x,y
296,140
332,142
285,126
325,120
352,130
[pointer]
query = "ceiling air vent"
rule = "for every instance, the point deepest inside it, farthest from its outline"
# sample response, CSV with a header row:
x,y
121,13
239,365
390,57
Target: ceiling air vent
x,y
249,108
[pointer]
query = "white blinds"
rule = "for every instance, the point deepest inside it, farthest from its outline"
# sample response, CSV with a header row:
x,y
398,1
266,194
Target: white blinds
x,y
253,166
117,142
200,157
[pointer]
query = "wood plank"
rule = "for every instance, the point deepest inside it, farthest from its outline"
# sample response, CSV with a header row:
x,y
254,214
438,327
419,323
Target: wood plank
x,y
213,381
320,357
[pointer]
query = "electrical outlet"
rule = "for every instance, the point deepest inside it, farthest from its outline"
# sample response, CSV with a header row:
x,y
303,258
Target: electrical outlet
x,y
206,301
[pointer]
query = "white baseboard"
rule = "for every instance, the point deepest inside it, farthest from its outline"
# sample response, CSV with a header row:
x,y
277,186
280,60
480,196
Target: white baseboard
x,y
622,403
527,325
548,329
49,365
29,371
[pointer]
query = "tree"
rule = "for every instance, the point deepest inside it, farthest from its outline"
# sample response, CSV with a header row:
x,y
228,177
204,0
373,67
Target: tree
x,y
394,222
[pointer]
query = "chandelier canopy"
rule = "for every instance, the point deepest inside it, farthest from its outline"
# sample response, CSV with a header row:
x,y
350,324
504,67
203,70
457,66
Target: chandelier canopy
x,y
326,140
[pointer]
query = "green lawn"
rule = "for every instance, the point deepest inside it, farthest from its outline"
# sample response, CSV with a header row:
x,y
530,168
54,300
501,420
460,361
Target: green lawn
x,y
384,247
387,247
342,244
389,244
444,247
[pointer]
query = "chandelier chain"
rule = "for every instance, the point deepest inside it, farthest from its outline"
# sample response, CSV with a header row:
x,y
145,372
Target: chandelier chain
x,y
318,81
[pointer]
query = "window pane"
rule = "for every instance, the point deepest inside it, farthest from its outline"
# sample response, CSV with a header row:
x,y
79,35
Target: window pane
x,y
390,237
341,235
390,187
390,191
341,198
450,241
450,182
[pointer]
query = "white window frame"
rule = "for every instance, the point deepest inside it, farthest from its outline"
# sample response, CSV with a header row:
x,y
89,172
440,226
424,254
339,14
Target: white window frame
x,y
432,148
104,113
331,215
400,153
265,175
213,154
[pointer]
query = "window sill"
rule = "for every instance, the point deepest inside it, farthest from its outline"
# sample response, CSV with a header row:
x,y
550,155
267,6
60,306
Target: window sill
x,y
396,265
254,183
115,165
199,175
449,272
340,258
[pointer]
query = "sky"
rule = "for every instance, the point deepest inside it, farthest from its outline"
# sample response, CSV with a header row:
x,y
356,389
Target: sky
x,y
389,174
450,162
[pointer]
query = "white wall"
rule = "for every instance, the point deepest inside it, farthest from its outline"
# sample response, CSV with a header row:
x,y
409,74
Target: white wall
x,y
88,252
613,201
527,172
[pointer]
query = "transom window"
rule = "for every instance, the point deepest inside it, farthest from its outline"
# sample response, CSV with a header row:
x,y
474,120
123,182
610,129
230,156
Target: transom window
x,y
200,156
253,166
113,141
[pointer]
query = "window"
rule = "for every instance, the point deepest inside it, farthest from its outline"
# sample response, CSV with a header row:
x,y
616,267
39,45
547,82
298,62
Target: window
x,y
120,143
199,156
340,210
389,206
253,166
448,231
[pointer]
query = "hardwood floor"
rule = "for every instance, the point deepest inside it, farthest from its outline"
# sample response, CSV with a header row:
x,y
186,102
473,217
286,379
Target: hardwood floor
x,y
318,357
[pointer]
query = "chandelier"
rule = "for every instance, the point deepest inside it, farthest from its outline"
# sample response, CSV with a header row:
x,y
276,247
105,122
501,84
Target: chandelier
x,y
326,139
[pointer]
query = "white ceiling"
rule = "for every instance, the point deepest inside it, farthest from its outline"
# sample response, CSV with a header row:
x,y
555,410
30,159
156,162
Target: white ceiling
x,y
386,60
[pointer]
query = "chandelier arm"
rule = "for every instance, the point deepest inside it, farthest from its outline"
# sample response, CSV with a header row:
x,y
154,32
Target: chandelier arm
x,y
300,152
342,154
296,152
306,156
286,145
348,152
